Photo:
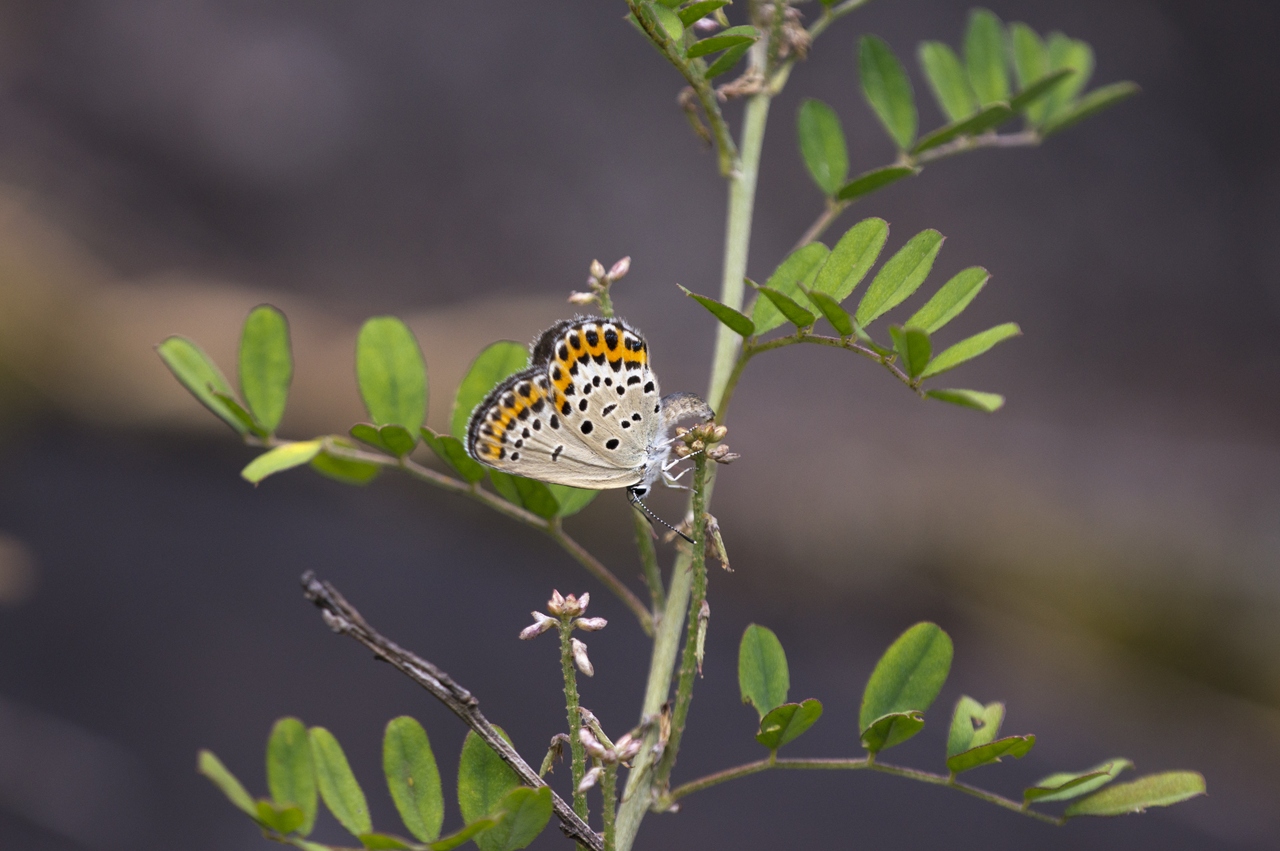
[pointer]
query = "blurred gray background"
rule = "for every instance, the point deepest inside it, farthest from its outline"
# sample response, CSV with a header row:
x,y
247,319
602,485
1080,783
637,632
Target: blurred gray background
x,y
1105,550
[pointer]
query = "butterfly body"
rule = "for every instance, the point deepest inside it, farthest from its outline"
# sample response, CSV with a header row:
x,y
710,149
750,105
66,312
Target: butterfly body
x,y
586,412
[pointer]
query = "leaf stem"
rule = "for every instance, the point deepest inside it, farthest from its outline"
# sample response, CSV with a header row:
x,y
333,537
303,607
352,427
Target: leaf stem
x,y
860,764
834,207
609,789
552,528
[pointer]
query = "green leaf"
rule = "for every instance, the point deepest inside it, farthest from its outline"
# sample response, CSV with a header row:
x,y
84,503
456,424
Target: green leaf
x,y
1068,54
453,840
892,729
988,119
901,275
887,89
968,349
787,306
210,766
483,780
731,37
338,786
1041,88
973,724
797,271
397,439
834,313
571,500
1014,746
986,402
237,410
200,375
913,348
909,675
851,259
384,842
366,433
1030,63
784,723
1063,785
413,778
391,373
948,80
725,61
984,56
283,457
282,818
1154,790
290,775
1089,105
495,363
451,451
266,364
736,322
697,11
530,494
762,669
822,145
874,180
525,812
344,470
668,20
950,299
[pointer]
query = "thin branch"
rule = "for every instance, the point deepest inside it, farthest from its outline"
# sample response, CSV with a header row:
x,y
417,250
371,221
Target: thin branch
x,y
862,764
551,528
343,619
692,73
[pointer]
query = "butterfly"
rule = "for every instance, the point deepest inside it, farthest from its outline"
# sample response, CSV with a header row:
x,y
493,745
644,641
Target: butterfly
x,y
586,412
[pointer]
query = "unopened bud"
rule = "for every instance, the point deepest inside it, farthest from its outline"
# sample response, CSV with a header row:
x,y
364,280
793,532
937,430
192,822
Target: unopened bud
x,y
721,455
620,269
706,25
580,657
590,624
597,269
541,623
682,450
700,647
591,743
556,604
697,446
581,298
718,433
590,779
627,747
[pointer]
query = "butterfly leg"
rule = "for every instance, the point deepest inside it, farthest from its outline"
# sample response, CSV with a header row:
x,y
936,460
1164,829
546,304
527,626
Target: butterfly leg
x,y
650,516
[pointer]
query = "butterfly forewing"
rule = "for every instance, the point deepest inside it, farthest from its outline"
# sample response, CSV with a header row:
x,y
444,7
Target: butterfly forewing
x,y
604,389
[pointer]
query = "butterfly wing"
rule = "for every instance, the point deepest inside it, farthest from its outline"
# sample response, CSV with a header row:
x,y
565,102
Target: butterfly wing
x,y
603,388
517,430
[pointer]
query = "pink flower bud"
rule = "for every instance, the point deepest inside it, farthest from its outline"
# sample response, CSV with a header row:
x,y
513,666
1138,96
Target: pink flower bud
x,y
597,269
590,624
590,779
620,269
591,743
580,657
541,623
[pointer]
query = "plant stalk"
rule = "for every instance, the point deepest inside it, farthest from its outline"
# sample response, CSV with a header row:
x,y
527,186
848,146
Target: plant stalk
x,y
577,750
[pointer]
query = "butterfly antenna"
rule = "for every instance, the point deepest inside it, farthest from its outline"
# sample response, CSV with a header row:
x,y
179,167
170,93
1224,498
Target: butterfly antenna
x,y
636,501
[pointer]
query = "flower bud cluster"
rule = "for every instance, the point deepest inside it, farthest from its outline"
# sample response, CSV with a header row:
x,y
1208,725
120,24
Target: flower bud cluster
x,y
793,37
599,281
707,438
565,610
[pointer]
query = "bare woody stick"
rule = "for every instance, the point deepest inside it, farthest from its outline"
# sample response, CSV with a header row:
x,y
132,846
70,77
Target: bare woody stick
x,y
343,619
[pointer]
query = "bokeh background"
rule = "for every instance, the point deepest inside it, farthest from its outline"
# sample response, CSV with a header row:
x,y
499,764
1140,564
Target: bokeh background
x,y
1105,550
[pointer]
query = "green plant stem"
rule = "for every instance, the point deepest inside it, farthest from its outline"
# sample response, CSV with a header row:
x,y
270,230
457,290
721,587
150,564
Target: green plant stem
x,y
609,789
577,751
689,662
649,560
863,764
552,528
